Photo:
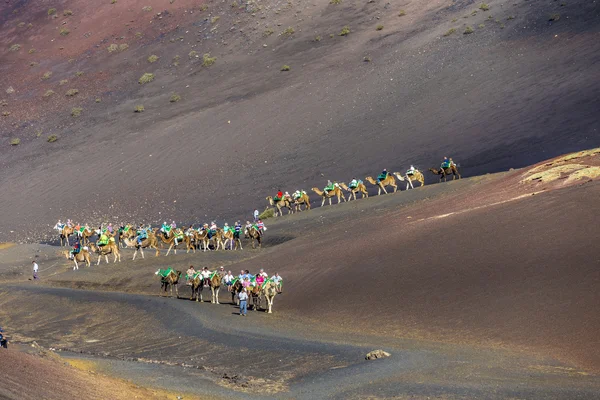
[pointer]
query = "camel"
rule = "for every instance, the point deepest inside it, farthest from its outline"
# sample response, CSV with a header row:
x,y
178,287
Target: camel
x,y
303,199
443,172
197,285
254,234
388,181
202,238
417,176
82,256
230,237
236,289
172,279
269,291
279,205
215,286
360,188
151,241
336,192
86,234
126,232
65,233
110,248
170,240
255,293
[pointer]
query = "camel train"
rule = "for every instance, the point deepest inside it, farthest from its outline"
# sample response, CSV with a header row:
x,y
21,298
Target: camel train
x,y
198,239
169,280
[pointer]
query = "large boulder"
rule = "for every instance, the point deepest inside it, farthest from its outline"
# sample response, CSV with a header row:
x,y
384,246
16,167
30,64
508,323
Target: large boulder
x,y
375,354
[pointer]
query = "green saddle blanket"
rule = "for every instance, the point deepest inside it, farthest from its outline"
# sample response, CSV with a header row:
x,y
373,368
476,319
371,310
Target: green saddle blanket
x,y
329,188
165,272
382,177
277,198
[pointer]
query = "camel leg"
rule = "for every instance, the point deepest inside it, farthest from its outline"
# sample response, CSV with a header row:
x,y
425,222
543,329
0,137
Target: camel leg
x,y
76,266
217,294
212,290
134,254
99,259
323,202
106,258
177,290
240,242
169,250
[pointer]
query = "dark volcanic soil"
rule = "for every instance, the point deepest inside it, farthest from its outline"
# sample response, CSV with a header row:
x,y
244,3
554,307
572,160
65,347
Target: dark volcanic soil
x,y
518,90
474,286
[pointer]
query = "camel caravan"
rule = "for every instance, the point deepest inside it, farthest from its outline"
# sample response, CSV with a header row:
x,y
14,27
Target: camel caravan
x,y
111,241
384,182
254,287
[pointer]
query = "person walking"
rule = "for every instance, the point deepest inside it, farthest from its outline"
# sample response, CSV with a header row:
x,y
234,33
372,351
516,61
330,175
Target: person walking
x,y
256,214
243,296
35,270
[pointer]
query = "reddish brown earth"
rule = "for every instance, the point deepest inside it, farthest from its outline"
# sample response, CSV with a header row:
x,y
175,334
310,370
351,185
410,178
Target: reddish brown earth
x,y
44,375
514,92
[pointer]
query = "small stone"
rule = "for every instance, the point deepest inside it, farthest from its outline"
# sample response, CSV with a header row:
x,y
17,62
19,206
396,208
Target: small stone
x,y
375,354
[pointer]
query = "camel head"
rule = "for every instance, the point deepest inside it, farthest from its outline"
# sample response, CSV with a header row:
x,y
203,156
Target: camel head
x,y
370,180
435,171
399,176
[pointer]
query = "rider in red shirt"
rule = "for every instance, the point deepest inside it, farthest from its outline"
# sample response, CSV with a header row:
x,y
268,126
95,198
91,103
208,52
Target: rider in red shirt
x,y
280,194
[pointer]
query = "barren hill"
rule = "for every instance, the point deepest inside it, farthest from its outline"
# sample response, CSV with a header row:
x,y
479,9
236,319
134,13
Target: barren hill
x,y
371,84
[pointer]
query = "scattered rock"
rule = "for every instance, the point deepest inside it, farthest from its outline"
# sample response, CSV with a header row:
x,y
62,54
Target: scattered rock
x,y
375,354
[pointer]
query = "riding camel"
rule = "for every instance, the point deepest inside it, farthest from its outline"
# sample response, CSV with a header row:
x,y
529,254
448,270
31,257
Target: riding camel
x,y
416,176
303,199
360,188
283,203
170,240
82,256
110,248
86,234
172,279
388,181
151,241
64,235
443,172
336,192
126,232
254,234
229,237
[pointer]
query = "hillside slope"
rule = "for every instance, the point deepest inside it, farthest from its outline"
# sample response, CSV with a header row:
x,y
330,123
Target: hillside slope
x,y
519,89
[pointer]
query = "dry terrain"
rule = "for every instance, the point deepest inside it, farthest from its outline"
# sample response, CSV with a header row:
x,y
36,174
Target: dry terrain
x,y
483,287
519,89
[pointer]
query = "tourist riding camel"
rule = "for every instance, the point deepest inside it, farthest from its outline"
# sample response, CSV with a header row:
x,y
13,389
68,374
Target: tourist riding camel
x,y
335,191
300,197
355,186
175,238
412,175
384,179
279,204
446,168
150,241
110,248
